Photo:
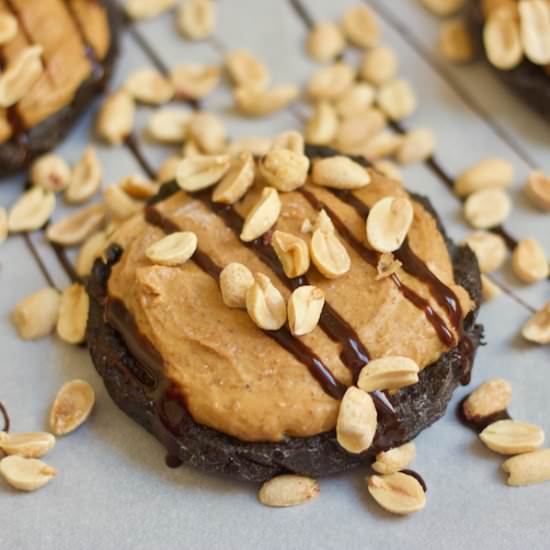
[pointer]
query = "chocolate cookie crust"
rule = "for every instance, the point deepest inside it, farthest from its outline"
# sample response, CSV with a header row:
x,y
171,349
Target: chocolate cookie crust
x,y
28,143
529,81
137,392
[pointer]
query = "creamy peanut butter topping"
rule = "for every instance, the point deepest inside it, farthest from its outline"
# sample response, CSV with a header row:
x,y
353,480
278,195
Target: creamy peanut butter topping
x,y
233,377
63,29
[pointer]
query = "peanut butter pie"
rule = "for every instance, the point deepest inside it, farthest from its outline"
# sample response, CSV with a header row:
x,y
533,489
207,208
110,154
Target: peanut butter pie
x,y
56,55
296,313
515,38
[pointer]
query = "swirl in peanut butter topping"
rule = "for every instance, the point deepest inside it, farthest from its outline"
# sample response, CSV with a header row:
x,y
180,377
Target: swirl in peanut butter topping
x,y
229,375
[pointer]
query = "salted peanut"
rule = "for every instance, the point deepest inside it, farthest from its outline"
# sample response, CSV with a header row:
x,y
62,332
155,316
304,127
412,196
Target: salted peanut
x,y
389,169
257,103
139,188
256,146
394,460
305,306
416,146
360,26
31,211
168,169
443,8
115,120
501,38
91,249
487,208
388,223
535,30
491,397
262,216
489,173
36,315
196,173
339,172
168,125
208,132
8,28
528,468
397,99
397,493
325,41
235,280
237,181
3,225
50,172
284,169
145,9
331,81
537,190
357,419
321,127
529,261
388,373
190,149
327,252
537,329
387,265
288,490
291,140
85,178
489,248
72,406
455,41
265,304
355,131
28,445
246,70
119,204
73,314
20,75
512,437
149,86
293,253
381,145
173,250
489,290
379,65
26,474
77,227
193,81
196,19
356,99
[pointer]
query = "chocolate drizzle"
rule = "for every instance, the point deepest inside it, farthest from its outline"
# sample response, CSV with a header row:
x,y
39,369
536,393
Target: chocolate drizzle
x,y
354,354
133,144
5,416
371,257
283,337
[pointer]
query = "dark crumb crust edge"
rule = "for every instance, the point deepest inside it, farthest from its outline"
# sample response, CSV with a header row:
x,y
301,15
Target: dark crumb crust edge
x,y
416,407
17,154
527,80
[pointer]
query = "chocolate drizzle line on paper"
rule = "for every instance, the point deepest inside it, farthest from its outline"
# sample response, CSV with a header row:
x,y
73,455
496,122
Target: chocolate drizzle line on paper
x,y
5,416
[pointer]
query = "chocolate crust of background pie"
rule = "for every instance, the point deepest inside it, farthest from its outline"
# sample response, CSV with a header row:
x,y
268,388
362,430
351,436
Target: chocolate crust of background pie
x,y
416,407
20,150
527,80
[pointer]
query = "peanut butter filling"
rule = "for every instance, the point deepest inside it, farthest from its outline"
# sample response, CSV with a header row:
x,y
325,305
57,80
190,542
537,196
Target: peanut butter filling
x,y
65,30
233,376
